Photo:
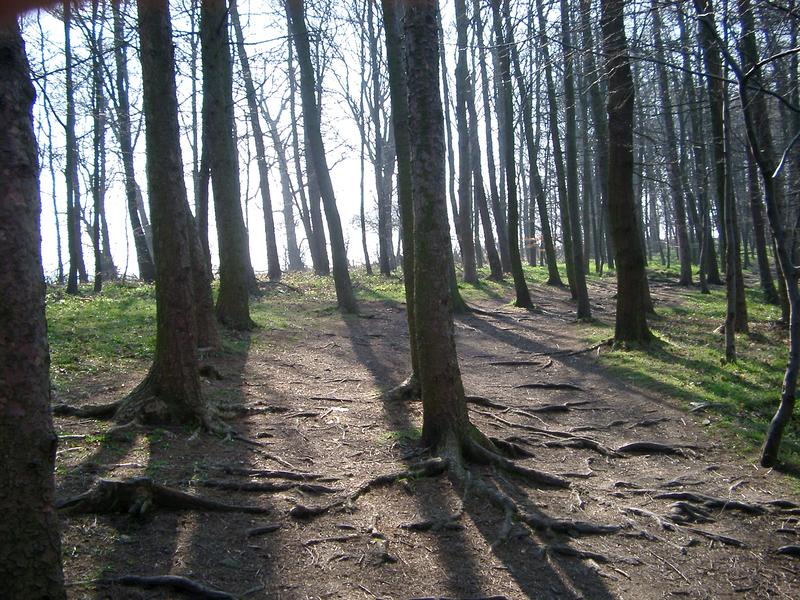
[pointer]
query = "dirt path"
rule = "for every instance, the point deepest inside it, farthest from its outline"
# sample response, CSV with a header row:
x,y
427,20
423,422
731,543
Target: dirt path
x,y
688,519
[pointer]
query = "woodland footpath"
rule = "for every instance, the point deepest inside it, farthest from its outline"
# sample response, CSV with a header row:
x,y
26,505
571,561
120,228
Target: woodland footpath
x,y
315,499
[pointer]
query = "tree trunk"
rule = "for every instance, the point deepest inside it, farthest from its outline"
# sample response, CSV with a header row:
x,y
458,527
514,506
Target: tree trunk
x,y
445,420
30,553
464,168
295,259
273,262
318,251
384,198
558,156
671,154
311,119
398,90
77,269
523,297
502,236
553,276
570,143
495,265
124,138
233,308
631,318
757,212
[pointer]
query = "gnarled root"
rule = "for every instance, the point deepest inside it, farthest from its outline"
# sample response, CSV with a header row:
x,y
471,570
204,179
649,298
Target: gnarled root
x,y
407,391
140,495
180,584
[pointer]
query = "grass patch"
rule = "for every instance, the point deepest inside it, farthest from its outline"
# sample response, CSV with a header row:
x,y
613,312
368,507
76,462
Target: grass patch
x,y
686,362
108,332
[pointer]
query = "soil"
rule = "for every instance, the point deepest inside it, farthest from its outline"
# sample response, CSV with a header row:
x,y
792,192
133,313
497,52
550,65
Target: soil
x,y
313,405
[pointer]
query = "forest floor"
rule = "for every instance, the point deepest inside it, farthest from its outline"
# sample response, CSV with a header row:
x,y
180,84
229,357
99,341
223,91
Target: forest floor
x,y
687,515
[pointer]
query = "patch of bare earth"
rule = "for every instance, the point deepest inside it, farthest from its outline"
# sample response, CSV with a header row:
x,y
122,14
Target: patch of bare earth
x,y
679,516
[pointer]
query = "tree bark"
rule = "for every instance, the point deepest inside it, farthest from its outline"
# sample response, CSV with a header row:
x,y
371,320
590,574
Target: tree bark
x,y
143,258
445,419
523,297
470,274
671,154
273,262
30,552
502,234
631,317
311,120
233,303
170,393
570,143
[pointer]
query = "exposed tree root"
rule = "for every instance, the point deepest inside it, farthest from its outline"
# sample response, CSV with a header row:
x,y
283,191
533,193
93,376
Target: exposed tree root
x,y
722,539
549,386
268,487
683,512
336,538
482,455
553,408
711,502
591,348
174,582
140,495
567,526
270,474
565,550
427,468
481,401
511,448
791,550
449,523
516,363
643,512
582,443
648,422
405,392
651,448
92,411
263,529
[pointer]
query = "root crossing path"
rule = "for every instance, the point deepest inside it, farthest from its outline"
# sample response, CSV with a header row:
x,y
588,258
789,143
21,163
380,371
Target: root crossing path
x,y
334,499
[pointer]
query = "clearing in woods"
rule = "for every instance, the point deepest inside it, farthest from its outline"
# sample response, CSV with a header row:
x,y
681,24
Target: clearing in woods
x,y
661,503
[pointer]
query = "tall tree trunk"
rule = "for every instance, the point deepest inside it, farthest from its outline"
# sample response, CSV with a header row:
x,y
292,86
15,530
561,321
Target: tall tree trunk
x,y
558,156
570,143
495,265
757,212
384,198
398,90
523,298
531,142
671,153
311,119
30,553
273,262
317,248
77,269
233,308
360,117
295,259
170,393
631,318
599,120
123,110
502,235
445,420
464,169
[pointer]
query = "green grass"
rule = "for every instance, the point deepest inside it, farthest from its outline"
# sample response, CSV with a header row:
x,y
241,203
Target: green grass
x,y
89,333
686,362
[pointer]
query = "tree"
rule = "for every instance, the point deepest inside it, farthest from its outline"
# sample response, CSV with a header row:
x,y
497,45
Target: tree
x,y
295,10
273,263
446,424
124,138
523,297
464,159
30,548
235,270
631,318
170,393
